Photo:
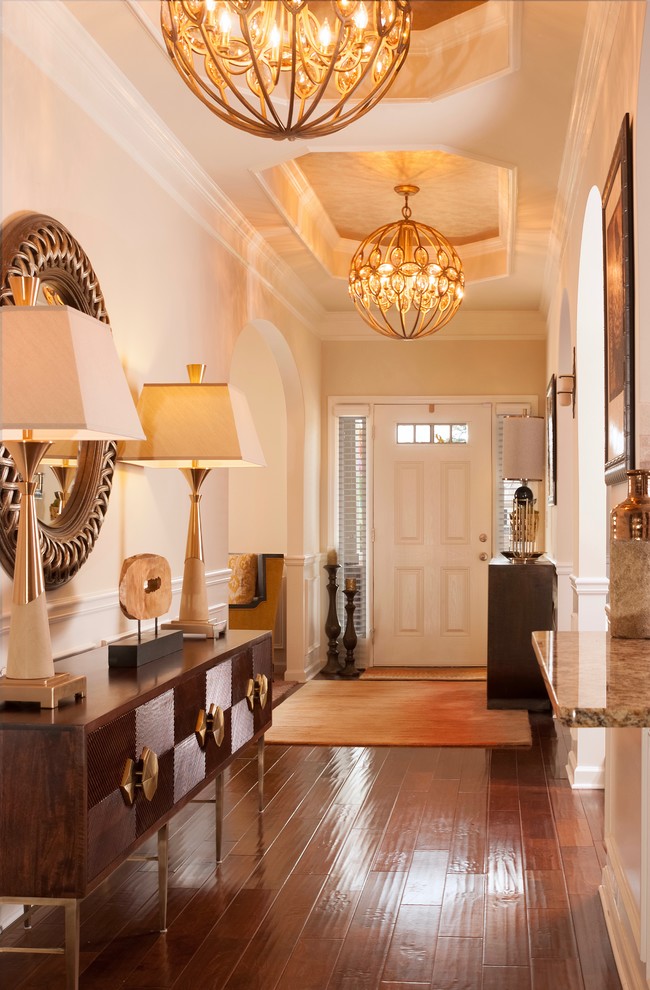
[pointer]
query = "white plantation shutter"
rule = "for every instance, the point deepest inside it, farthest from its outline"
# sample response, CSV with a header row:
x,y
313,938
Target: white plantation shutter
x,y
352,516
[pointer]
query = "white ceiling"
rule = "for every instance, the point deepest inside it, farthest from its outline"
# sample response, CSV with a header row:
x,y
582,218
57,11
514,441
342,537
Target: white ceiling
x,y
477,118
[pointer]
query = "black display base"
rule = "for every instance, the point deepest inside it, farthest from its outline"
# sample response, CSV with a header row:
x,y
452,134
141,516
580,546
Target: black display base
x,y
133,652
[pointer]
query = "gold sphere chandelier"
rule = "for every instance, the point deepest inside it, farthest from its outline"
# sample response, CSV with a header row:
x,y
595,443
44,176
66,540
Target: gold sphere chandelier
x,y
406,279
287,68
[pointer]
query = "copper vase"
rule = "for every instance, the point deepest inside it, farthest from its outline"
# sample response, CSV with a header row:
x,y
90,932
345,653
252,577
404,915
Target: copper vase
x,y
629,565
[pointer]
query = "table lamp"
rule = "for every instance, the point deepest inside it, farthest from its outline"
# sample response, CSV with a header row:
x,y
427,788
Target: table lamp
x,y
61,379
523,460
194,426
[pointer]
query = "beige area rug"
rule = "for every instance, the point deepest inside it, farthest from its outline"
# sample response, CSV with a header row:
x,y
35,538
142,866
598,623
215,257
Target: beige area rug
x,y
395,713
425,674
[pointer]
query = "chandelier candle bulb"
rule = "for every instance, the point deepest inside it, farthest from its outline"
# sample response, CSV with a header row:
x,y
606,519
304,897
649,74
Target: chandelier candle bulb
x,y
629,566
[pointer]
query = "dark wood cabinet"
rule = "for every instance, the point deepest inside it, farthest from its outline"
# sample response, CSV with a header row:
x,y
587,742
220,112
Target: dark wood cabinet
x,y
521,599
65,821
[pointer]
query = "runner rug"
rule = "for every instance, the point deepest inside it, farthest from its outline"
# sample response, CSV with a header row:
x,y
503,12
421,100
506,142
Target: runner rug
x,y
425,674
395,713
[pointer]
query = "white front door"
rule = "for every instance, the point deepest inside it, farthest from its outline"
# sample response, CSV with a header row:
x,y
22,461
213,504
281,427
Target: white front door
x,y
432,533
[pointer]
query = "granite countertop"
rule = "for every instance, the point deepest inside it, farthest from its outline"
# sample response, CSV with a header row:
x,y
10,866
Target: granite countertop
x,y
594,680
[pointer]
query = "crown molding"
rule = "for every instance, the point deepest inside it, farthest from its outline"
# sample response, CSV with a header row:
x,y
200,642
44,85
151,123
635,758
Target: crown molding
x,y
54,40
600,29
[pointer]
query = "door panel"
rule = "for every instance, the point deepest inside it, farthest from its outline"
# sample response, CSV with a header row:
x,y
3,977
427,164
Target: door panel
x,y
432,501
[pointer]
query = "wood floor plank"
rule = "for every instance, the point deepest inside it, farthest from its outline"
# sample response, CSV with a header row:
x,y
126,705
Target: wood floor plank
x,y
506,930
413,945
467,852
310,965
507,978
463,905
458,964
425,880
365,947
490,867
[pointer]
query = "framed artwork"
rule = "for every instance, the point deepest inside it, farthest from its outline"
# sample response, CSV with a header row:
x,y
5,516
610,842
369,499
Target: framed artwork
x,y
619,309
551,449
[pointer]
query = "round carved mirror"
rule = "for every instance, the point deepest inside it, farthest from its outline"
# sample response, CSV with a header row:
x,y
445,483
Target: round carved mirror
x,y
33,244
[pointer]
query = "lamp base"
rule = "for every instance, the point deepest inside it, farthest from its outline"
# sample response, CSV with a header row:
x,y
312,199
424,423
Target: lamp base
x,y
48,692
190,627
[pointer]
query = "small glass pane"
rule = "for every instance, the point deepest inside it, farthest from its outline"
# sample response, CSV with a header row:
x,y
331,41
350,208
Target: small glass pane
x,y
442,433
422,433
405,432
459,433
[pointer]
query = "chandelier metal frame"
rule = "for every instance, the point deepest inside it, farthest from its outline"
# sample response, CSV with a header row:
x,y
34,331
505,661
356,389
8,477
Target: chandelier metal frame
x,y
278,68
406,280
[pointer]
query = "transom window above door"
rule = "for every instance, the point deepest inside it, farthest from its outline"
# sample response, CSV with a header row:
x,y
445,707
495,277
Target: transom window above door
x,y
432,433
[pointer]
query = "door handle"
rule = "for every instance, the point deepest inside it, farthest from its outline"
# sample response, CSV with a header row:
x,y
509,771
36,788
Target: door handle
x,y
483,537
482,556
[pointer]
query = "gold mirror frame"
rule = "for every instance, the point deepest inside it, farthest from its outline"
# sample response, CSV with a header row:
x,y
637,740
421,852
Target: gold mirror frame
x,y
34,244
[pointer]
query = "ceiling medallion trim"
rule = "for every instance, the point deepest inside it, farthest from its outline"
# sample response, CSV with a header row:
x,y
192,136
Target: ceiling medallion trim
x,y
34,244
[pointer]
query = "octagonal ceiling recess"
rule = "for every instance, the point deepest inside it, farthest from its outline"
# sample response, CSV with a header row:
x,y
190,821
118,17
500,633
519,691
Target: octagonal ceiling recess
x,y
485,95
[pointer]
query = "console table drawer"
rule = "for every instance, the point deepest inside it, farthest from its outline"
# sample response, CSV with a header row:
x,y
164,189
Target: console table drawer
x,y
62,812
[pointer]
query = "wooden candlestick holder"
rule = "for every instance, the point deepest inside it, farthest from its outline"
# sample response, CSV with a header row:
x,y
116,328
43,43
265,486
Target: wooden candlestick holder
x,y
349,636
332,625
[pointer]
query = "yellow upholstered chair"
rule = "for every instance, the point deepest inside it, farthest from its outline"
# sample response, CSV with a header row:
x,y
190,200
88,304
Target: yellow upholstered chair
x,y
254,589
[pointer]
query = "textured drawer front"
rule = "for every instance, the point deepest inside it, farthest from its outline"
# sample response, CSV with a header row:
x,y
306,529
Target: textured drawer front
x,y
113,825
218,689
189,766
242,671
242,725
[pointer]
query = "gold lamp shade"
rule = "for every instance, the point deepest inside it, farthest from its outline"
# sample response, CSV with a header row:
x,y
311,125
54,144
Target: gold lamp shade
x,y
287,68
194,426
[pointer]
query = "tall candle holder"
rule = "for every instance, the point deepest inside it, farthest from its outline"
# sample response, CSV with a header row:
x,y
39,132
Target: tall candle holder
x,y
332,625
350,636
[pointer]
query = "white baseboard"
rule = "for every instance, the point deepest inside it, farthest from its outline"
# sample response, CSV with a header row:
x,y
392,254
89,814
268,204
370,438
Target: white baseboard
x,y
585,777
631,970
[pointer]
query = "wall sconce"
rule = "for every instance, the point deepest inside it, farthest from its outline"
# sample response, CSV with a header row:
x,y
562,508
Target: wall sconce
x,y
566,388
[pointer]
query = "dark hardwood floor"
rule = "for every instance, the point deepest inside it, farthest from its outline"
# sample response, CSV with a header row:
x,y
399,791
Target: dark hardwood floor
x,y
395,869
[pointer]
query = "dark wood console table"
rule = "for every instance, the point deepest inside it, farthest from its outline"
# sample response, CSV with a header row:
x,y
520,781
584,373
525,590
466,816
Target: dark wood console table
x,y
521,598
81,789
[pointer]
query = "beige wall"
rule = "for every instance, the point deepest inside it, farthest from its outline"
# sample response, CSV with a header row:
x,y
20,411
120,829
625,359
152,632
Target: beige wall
x,y
258,497
180,278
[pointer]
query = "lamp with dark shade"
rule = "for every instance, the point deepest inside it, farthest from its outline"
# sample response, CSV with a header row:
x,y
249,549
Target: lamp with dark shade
x,y
40,345
523,460
194,426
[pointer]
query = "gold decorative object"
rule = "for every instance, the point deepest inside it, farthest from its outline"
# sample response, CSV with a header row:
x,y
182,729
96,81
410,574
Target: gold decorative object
x,y
210,723
287,68
629,561
36,245
141,775
195,427
406,280
38,343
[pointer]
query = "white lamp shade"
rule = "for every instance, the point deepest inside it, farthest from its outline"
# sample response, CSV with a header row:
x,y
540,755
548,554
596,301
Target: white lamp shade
x,y
61,377
194,424
523,448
